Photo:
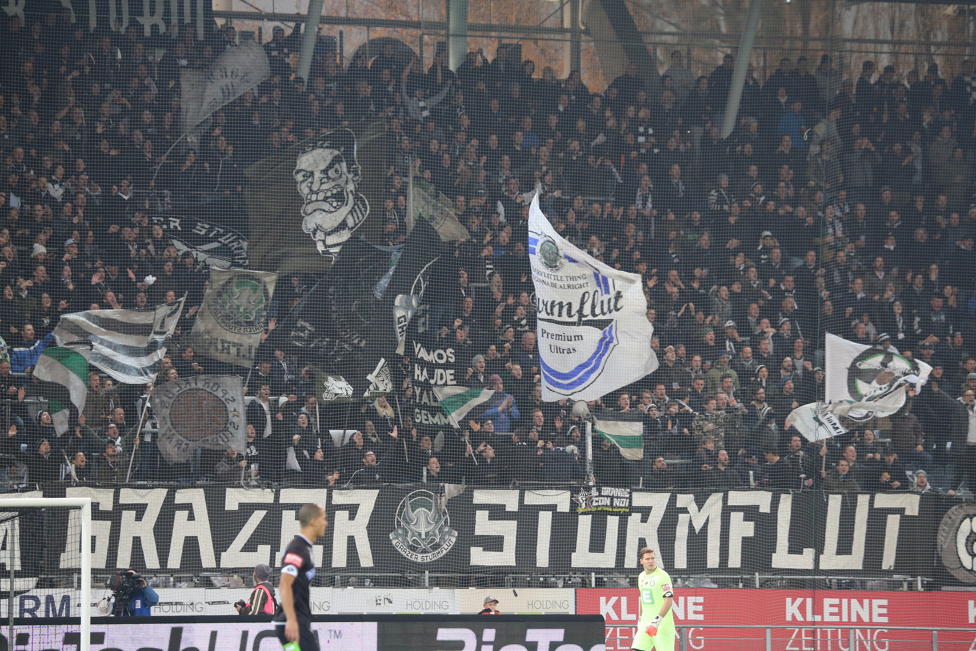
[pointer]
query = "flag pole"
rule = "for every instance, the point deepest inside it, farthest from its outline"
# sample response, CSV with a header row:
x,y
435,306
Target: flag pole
x,y
142,419
406,453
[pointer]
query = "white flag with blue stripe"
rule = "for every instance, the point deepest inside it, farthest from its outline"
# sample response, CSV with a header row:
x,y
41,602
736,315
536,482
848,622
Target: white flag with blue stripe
x,y
594,336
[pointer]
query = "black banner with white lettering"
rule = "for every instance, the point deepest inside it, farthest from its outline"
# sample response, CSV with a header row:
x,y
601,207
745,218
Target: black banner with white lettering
x,y
149,17
398,529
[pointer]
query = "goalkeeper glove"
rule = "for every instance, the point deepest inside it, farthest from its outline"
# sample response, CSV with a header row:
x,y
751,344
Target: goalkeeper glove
x,y
651,629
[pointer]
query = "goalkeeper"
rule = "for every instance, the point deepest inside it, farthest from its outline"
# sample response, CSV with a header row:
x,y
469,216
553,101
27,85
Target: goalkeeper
x,y
655,624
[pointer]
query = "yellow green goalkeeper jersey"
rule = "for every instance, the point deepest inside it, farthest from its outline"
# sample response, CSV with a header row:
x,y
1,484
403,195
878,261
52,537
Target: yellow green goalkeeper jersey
x,y
654,588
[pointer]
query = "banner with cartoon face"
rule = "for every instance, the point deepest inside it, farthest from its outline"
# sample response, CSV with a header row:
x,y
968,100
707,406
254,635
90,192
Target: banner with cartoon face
x,y
306,202
233,315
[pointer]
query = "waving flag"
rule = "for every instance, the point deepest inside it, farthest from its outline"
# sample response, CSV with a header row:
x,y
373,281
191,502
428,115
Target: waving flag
x,y
625,430
864,382
231,320
126,344
204,411
65,372
594,336
228,77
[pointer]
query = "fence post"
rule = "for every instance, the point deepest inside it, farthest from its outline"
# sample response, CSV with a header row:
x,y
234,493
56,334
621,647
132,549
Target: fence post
x,y
769,639
683,636
935,641
851,642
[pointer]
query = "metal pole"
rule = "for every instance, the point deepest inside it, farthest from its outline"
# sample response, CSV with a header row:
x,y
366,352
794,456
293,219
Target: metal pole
x,y
575,36
589,453
86,534
309,38
12,535
142,419
683,636
769,639
457,32
850,640
935,641
741,67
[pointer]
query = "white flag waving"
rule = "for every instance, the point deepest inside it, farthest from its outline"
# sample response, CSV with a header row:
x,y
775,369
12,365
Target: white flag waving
x,y
594,336
230,74
868,381
126,344
815,421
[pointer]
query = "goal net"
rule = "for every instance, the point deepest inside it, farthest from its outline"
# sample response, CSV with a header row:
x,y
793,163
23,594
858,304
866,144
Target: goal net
x,y
45,591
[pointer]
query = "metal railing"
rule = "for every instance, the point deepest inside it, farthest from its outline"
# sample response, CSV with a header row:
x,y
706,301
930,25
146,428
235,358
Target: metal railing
x,y
852,635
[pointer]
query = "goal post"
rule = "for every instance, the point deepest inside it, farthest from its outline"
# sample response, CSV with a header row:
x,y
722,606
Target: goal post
x,y
16,537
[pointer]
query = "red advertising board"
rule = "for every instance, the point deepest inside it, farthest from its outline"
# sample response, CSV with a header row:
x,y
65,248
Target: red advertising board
x,y
800,620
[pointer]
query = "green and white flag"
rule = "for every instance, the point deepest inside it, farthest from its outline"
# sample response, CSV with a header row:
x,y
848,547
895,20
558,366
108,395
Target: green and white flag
x,y
623,429
66,369
457,402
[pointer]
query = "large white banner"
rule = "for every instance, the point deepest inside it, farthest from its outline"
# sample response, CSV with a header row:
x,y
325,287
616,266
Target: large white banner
x,y
594,336
232,73
868,381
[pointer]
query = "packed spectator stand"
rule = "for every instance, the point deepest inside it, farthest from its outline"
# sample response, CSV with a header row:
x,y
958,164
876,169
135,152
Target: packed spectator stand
x,y
838,205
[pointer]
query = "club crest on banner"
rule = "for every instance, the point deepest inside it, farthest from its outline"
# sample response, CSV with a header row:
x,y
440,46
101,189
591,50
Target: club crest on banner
x,y
549,254
873,373
202,411
423,527
242,304
957,542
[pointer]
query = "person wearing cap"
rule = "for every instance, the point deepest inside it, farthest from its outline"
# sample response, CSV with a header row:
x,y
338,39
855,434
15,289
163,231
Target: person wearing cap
x,y
765,249
477,378
969,385
926,352
748,468
732,342
884,342
887,476
921,484
490,606
262,600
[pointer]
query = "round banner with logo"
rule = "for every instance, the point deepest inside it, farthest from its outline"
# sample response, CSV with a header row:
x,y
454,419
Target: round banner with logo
x,y
957,542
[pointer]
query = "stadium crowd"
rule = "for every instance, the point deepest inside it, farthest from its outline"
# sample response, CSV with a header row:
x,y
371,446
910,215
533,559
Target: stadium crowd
x,y
838,205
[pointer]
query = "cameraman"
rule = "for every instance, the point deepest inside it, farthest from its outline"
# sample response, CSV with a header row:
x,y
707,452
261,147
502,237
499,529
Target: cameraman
x,y
262,600
132,594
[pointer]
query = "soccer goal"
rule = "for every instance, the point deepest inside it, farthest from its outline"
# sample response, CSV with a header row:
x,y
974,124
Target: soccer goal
x,y
45,573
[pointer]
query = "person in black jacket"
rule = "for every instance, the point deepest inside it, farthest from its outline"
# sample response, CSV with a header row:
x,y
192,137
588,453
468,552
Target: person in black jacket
x,y
722,477
779,473
42,466
887,476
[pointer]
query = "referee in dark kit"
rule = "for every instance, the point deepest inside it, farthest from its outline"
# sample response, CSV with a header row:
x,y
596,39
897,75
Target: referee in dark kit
x,y
294,622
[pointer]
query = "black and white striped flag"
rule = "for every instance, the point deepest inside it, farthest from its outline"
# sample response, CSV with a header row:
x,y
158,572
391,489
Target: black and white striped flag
x,y
126,344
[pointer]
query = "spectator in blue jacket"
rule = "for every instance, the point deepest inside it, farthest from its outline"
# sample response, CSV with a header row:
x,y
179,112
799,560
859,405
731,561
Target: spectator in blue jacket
x,y
25,355
504,411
